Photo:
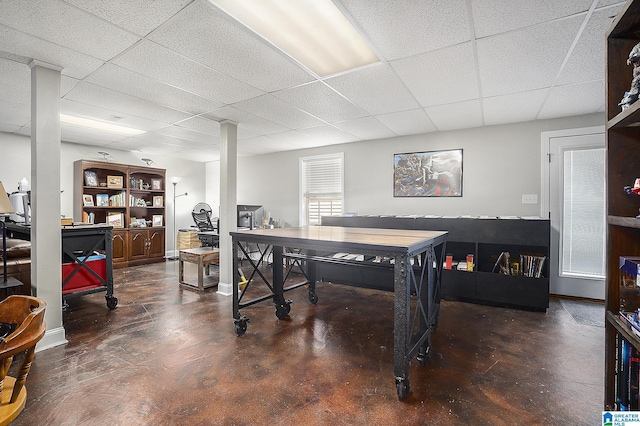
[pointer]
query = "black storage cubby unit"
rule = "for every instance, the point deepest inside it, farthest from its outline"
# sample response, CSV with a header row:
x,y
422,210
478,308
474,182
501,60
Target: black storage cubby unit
x,y
485,239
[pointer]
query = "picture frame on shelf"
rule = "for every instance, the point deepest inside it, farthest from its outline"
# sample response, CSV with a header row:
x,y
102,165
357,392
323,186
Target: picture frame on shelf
x,y
90,178
157,201
157,220
115,219
87,200
114,182
156,184
102,200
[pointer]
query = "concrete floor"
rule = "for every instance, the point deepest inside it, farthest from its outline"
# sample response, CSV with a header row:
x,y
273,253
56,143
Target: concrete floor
x,y
169,356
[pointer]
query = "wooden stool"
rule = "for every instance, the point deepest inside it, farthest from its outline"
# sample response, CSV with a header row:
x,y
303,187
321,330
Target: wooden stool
x,y
203,257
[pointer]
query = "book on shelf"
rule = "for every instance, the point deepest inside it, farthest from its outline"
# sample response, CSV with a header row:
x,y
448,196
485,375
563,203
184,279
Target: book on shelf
x,y
118,200
628,376
532,266
88,217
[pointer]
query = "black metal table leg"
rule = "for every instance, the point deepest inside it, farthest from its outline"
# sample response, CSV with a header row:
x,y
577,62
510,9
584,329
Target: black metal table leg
x,y
401,321
283,307
239,322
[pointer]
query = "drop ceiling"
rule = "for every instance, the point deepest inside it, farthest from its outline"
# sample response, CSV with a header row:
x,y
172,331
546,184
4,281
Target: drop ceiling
x,y
176,68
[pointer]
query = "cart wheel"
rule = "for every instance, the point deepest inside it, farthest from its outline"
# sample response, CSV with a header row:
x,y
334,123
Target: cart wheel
x,y
313,297
240,326
402,385
423,355
112,302
283,309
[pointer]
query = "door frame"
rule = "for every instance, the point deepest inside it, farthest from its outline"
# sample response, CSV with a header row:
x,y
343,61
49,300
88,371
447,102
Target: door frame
x,y
545,204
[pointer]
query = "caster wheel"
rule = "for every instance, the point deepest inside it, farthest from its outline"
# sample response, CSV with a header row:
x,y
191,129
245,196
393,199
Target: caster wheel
x,y
240,326
283,309
313,297
112,302
423,355
403,388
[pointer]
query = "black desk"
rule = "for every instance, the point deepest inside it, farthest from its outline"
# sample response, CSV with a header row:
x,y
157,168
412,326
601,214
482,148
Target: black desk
x,y
78,243
412,329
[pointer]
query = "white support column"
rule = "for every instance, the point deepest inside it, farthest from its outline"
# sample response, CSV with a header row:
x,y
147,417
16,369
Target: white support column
x,y
228,202
46,240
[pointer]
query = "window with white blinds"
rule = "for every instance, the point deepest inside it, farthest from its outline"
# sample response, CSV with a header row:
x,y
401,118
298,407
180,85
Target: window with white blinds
x,y
322,187
584,215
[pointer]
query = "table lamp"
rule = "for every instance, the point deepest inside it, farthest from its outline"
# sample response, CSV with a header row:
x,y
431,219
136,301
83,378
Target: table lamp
x,y
5,209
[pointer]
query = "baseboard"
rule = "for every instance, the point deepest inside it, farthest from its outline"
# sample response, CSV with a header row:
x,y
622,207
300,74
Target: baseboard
x,y
225,289
52,338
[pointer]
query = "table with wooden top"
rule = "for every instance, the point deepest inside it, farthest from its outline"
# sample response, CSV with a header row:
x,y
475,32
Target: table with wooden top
x,y
202,257
416,259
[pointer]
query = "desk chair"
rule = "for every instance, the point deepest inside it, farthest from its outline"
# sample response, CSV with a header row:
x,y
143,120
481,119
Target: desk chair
x,y
21,327
201,214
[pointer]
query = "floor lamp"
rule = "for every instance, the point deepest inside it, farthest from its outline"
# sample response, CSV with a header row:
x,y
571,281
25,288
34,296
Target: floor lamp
x,y
174,181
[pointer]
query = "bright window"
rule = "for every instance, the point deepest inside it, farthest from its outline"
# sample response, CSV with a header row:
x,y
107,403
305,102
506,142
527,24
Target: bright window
x,y
322,187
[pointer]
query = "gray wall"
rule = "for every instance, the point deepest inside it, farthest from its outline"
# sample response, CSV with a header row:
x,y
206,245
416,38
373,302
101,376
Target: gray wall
x,y
16,164
500,164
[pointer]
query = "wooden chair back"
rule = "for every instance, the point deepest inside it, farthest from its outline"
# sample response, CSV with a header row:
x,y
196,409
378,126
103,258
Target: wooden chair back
x,y
22,318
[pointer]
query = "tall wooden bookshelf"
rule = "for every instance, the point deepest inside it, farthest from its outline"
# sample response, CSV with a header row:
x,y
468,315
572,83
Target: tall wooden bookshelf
x,y
132,200
623,167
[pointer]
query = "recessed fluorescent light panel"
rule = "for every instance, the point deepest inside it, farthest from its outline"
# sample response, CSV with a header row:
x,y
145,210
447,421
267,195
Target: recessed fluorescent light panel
x,y
313,32
98,125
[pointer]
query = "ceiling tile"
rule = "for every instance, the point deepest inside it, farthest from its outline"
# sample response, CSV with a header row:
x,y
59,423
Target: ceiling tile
x,y
294,139
398,29
525,60
202,125
65,25
320,101
188,134
95,112
262,145
73,63
245,120
328,135
434,84
365,128
139,17
499,16
276,110
586,62
603,3
15,114
125,81
86,136
574,99
209,36
377,89
513,108
410,122
199,155
171,68
8,128
461,115
87,93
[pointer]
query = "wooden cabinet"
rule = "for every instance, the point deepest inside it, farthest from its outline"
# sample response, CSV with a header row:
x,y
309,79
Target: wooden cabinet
x,y
119,247
623,167
131,199
145,245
